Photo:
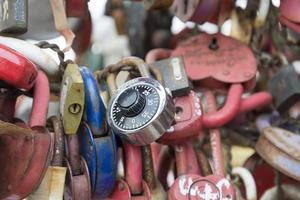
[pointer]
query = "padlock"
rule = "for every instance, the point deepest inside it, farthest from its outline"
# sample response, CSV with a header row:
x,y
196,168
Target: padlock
x,y
141,110
14,16
278,147
194,186
173,74
21,74
97,142
40,147
188,120
52,186
29,152
77,8
284,88
39,57
78,183
72,99
215,60
133,186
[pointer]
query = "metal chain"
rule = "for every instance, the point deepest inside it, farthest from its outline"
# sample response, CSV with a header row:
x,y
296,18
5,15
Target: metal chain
x,y
61,55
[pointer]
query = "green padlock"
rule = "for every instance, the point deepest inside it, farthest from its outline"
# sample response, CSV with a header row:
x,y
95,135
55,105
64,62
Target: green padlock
x,y
72,99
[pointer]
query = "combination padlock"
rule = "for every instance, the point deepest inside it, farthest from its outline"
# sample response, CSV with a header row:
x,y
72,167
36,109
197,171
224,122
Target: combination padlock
x,y
97,142
13,16
31,152
141,110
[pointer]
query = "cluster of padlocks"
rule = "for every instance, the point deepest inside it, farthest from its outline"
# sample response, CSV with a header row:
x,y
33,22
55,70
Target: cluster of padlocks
x,y
214,116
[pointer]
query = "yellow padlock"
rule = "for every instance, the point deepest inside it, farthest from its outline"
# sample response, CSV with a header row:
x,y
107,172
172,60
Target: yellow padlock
x,y
72,99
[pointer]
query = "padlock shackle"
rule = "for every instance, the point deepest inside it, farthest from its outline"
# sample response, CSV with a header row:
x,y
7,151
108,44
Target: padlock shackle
x,y
157,54
255,101
73,155
133,167
41,97
215,135
223,116
163,165
248,181
42,59
181,159
59,145
137,63
193,167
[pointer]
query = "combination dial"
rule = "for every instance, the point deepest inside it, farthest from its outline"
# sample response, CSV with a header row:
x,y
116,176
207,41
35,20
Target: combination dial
x,y
141,111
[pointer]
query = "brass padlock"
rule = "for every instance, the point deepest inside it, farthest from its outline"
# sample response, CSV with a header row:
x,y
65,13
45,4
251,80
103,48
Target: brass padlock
x,y
72,99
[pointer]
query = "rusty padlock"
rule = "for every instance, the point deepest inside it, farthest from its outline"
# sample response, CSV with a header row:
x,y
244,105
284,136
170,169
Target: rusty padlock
x,y
52,186
78,184
278,148
40,146
194,186
219,58
22,72
230,108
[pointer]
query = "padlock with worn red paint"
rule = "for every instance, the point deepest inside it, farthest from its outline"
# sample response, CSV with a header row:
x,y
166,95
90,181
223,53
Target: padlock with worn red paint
x,y
32,151
191,185
133,186
16,70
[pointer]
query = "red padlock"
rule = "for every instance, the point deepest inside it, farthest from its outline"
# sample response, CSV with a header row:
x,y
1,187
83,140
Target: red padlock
x,y
190,185
31,152
134,187
188,120
16,70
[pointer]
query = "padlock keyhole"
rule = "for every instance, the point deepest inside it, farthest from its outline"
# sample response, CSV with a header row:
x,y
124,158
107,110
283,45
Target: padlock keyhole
x,y
178,110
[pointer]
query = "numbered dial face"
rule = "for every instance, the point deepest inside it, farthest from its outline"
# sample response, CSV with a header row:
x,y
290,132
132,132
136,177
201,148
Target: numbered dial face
x,y
135,106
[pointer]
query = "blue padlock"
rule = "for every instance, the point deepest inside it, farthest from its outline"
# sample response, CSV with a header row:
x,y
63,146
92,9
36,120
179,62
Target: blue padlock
x,y
98,147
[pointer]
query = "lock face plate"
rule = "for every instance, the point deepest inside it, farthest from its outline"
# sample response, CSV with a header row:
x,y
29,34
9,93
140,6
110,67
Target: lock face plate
x,y
140,111
218,57
174,75
72,99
